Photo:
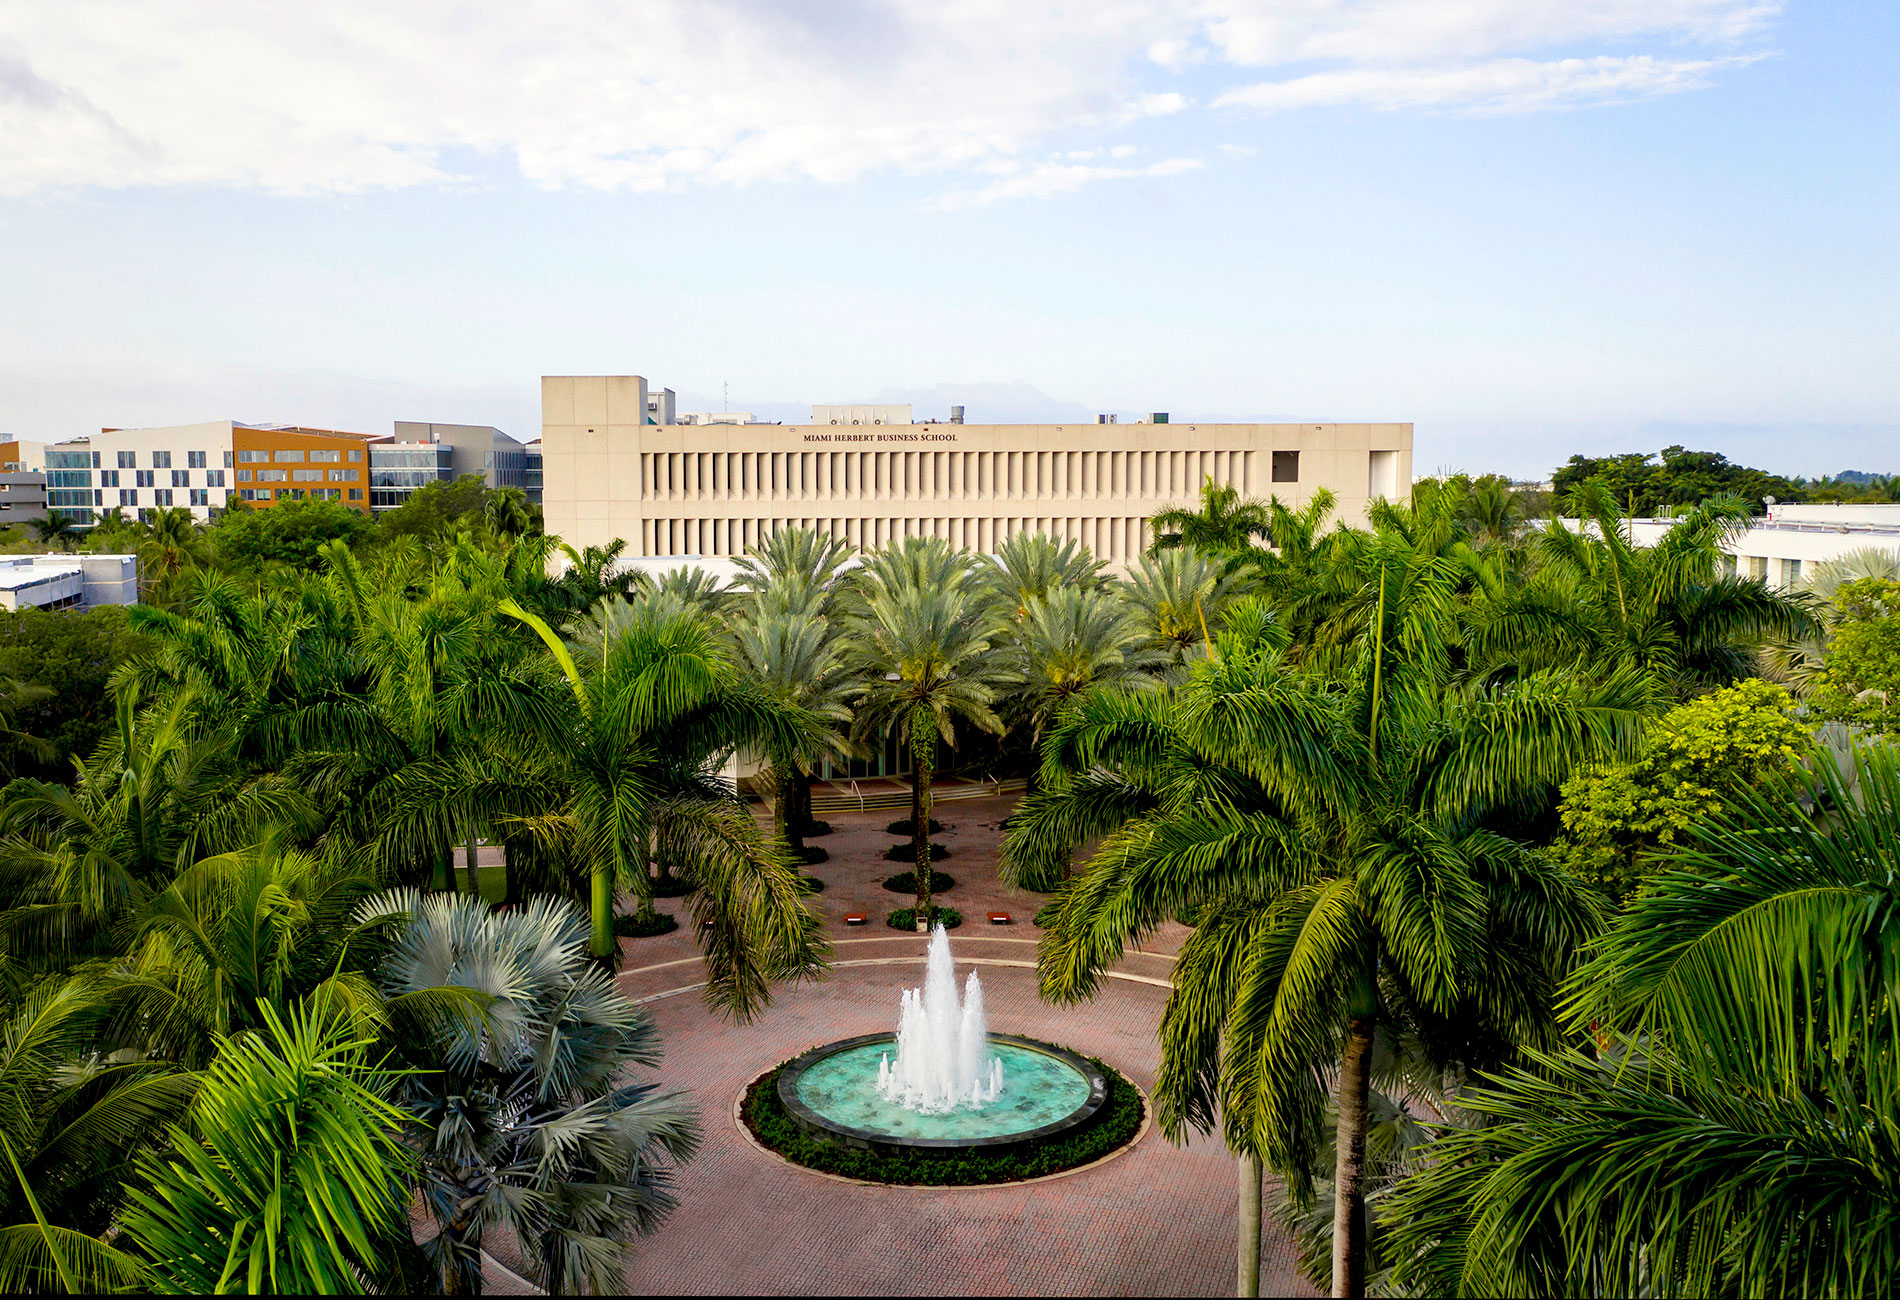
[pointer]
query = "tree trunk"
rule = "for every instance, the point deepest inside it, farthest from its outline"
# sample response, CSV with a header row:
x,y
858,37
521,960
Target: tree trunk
x,y
1349,1170
923,751
602,944
1249,1283
474,878
784,808
645,874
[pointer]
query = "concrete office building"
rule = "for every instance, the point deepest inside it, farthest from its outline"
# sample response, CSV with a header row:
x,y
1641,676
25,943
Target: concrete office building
x,y
441,453
1782,548
869,474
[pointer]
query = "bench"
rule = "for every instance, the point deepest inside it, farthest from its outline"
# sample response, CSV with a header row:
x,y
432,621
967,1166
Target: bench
x,y
854,918
999,918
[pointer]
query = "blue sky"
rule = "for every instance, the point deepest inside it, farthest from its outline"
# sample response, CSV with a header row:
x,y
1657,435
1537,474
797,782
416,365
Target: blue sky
x,y
1530,227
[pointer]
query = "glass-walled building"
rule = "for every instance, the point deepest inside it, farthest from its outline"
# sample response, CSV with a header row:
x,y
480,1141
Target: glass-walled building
x,y
441,453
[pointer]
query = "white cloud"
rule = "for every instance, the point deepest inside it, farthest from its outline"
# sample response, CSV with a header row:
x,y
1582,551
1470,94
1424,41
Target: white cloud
x,y
1496,86
1053,178
346,95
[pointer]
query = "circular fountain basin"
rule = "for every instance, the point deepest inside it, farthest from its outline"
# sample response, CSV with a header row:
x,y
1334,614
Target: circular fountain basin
x,y
831,1092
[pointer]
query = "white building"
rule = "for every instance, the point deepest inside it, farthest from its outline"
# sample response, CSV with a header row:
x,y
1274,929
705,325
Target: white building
x,y
1782,547
67,581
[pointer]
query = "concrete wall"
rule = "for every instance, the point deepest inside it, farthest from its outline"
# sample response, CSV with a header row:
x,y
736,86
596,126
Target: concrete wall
x,y
714,490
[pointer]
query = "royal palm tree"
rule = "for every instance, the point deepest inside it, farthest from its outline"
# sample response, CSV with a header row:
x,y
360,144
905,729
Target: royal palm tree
x,y
57,530
634,763
509,514
1599,598
168,546
1332,848
1733,1131
923,637
1224,525
523,1119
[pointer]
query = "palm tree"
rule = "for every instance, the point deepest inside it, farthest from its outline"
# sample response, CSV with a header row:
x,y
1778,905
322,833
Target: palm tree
x,y
633,763
1027,567
1224,525
16,695
524,1119
1333,850
922,637
1073,640
795,658
288,1174
1733,1132
56,529
1181,596
508,512
1798,662
70,1123
159,796
1598,598
168,547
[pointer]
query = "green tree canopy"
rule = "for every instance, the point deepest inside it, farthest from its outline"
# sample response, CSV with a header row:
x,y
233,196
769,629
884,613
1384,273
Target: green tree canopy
x,y
286,533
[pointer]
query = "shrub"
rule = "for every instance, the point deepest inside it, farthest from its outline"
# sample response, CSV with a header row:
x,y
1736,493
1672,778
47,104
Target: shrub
x,y
904,827
814,829
811,857
813,885
906,882
1113,1126
1861,682
907,853
633,926
905,918
672,887
1699,755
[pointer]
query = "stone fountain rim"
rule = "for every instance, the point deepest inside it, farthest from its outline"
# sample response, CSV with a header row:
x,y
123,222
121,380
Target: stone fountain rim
x,y
817,1125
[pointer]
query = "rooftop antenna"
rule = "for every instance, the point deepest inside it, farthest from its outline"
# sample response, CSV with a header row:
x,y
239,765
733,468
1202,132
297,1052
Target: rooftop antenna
x,y
725,395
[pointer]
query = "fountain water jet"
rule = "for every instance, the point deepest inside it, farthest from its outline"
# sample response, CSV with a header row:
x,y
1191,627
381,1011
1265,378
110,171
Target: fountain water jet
x,y
943,1059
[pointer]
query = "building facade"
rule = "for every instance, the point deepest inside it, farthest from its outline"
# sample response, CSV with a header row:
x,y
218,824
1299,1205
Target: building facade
x,y
441,453
1782,548
67,581
611,470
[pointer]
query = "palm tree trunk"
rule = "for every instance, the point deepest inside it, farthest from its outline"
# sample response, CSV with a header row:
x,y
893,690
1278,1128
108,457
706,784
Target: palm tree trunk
x,y
1349,1169
474,879
602,943
922,752
1249,1283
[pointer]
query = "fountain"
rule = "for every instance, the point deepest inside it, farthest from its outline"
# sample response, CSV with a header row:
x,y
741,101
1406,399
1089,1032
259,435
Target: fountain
x,y
942,1080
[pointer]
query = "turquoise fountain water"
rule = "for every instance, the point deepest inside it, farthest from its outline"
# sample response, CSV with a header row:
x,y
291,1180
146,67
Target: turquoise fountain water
x,y
941,1078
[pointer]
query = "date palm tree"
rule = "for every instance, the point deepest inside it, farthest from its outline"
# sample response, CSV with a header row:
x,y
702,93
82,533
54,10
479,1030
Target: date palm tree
x,y
923,636
1027,567
1073,640
1733,1131
1181,596
1333,849
795,658
525,1119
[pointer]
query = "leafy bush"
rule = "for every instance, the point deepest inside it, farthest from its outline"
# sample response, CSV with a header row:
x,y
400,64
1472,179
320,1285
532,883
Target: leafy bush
x,y
905,882
630,925
813,885
1860,684
1697,757
672,887
907,853
904,827
905,918
814,829
812,856
1112,1126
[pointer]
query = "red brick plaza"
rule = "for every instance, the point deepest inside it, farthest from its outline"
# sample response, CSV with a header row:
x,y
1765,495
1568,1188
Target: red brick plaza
x,y
1156,1220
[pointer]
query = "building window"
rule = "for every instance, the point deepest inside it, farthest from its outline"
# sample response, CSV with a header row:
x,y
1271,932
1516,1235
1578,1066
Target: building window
x,y
215,477
356,494
252,457
108,478
194,460
326,494
200,497
356,455
128,460
1286,467
95,459
181,478
326,457
128,496
145,477
294,494
307,475
227,460
1791,573
272,475
251,494
162,497
284,457
161,460
74,478
346,475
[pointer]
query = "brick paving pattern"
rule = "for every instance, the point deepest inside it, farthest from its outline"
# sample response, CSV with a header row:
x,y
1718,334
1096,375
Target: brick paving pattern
x,y
1157,1220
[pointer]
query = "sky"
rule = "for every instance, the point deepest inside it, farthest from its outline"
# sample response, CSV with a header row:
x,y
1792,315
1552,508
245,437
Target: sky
x,y
1530,227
